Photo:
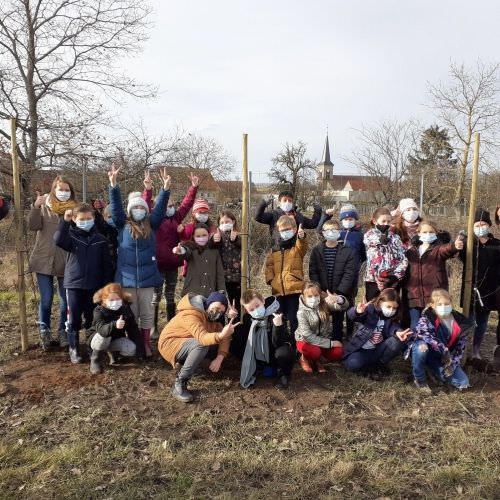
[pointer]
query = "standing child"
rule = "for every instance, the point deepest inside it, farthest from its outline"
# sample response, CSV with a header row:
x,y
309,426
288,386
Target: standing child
x,y
137,271
200,215
228,241
407,220
378,338
205,273
88,268
314,334
426,269
386,261
285,268
439,343
114,329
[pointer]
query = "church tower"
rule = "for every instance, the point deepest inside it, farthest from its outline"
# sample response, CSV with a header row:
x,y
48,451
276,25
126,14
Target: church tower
x,y
325,168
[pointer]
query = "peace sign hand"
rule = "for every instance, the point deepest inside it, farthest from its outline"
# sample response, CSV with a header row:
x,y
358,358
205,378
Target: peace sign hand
x,y
278,319
360,308
232,312
228,330
148,182
194,179
403,335
165,178
113,174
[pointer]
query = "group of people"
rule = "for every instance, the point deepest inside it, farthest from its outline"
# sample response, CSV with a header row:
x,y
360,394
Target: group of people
x,y
114,263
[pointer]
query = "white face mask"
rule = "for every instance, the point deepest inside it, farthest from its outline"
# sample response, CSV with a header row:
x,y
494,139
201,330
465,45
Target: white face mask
x,y
331,234
481,231
114,305
427,237
388,313
443,311
287,235
63,195
348,224
286,206
410,215
312,301
170,211
201,218
138,214
226,227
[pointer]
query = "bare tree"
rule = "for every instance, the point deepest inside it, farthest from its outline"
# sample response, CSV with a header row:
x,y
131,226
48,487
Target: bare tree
x,y
56,56
468,104
383,154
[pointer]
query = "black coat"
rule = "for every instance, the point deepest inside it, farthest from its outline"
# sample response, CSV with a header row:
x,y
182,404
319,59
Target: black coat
x,y
104,323
344,269
88,263
111,234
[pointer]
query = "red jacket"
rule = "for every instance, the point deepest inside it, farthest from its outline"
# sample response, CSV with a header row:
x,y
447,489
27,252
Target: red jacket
x,y
167,237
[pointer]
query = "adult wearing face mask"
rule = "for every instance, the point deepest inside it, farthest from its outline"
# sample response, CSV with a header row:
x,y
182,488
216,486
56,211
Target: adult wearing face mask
x,y
137,269
185,340
485,276
46,259
286,207
168,236
406,221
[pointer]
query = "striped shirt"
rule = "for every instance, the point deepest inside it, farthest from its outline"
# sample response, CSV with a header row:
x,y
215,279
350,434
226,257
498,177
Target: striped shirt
x,y
330,256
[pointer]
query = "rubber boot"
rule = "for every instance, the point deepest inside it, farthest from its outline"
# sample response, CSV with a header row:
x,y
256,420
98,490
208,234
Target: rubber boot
x,y
155,334
179,391
146,339
45,337
95,362
73,348
170,310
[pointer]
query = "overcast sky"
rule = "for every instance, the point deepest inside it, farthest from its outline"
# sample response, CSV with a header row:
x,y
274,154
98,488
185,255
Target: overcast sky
x,y
284,70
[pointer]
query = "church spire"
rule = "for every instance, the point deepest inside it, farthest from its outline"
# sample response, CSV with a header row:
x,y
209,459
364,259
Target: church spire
x,y
325,168
326,153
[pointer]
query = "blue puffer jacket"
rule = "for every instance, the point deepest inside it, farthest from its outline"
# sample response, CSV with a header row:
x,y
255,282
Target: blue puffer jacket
x,y
88,262
136,266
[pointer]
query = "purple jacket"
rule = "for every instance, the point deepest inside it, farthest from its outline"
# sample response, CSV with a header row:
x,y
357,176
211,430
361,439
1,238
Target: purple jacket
x,y
167,237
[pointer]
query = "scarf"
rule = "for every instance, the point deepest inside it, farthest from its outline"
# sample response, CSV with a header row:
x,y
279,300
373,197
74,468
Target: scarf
x,y
257,348
59,207
411,228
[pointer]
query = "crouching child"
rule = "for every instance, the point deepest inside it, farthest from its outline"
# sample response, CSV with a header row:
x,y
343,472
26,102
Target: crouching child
x,y
114,329
264,340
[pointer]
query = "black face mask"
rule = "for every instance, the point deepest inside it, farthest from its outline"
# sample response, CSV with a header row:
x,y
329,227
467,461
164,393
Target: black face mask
x,y
215,316
383,228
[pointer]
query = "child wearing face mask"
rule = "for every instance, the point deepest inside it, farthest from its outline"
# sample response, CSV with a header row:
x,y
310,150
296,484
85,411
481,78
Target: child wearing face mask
x,y
263,341
137,269
168,236
285,268
386,261
426,269
286,206
333,266
227,240
199,215
439,343
205,272
406,220
114,329
379,338
314,338
88,268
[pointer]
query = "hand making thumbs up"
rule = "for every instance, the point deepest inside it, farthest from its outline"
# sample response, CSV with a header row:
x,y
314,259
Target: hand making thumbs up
x,y
217,236
179,250
120,323
301,233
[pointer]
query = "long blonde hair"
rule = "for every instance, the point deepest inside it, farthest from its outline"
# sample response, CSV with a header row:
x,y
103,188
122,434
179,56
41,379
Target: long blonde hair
x,y
140,229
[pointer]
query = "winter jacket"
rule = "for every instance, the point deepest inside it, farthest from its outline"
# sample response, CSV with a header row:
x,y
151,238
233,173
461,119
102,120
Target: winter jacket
x,y
136,266
88,263
271,218
343,270
368,320
104,323
450,344
385,257
485,273
285,267
190,322
230,252
312,329
46,257
167,236
111,234
205,273
427,272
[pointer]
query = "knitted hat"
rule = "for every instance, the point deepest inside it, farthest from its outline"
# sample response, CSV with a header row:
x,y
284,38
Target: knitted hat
x,y
216,297
348,210
201,204
482,215
134,200
406,203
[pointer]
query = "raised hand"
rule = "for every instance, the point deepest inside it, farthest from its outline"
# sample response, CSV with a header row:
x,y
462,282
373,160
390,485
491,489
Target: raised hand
x,y
360,308
113,174
278,319
40,199
217,236
120,323
180,228
68,215
330,211
403,335
232,312
228,330
148,182
179,250
301,233
459,243
195,181
165,178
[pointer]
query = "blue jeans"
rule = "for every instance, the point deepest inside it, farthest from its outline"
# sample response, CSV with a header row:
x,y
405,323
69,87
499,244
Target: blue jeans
x,y
480,317
365,359
46,287
423,356
415,313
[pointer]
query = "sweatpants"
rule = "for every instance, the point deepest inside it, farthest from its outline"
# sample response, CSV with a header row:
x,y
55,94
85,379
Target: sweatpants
x,y
142,305
366,359
80,303
190,355
314,352
289,305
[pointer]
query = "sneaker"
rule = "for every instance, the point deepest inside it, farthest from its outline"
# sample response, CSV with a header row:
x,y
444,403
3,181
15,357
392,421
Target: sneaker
x,y
305,364
63,338
179,391
45,338
73,356
423,387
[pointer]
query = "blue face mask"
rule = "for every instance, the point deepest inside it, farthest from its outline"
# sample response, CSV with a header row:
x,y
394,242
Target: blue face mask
x,y
86,225
427,237
481,231
258,313
138,214
287,235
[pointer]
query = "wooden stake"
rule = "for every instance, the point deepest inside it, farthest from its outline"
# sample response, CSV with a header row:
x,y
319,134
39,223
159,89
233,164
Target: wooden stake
x,y
470,231
244,218
19,220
